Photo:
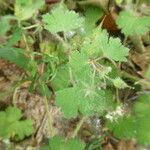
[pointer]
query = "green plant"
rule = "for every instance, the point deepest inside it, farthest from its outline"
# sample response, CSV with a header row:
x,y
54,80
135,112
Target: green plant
x,y
12,127
54,22
25,9
136,124
79,62
132,24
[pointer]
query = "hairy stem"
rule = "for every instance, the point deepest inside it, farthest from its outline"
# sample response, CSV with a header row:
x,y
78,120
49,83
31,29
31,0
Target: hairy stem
x,y
32,26
79,125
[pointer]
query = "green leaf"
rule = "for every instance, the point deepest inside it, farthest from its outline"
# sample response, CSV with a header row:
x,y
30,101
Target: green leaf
x,y
142,111
92,15
61,80
75,144
82,98
15,55
80,67
67,100
119,83
147,74
44,90
132,24
59,143
4,25
136,125
91,44
61,19
13,114
113,48
16,36
142,106
100,44
92,102
25,9
123,128
12,127
24,129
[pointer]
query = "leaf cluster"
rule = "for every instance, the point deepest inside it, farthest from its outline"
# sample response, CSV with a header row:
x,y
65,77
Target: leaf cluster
x,y
12,127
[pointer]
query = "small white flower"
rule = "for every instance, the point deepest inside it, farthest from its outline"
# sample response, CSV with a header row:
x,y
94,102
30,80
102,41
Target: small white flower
x,y
114,115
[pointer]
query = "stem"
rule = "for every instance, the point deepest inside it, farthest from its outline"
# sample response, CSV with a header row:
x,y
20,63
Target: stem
x,y
71,77
25,40
17,87
50,118
32,26
15,95
79,125
125,40
117,95
60,39
140,81
23,35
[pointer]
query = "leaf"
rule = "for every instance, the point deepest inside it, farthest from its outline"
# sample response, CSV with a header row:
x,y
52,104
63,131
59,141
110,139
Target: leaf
x,y
59,143
147,74
141,108
23,129
12,127
16,55
61,80
92,15
25,9
4,25
75,144
61,19
16,36
123,128
67,100
132,24
113,48
92,102
119,83
81,99
13,114
80,67
142,111
100,44
91,44
85,97
137,124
